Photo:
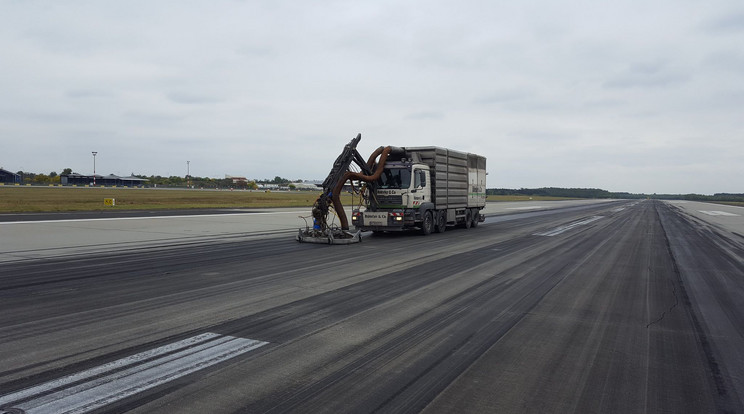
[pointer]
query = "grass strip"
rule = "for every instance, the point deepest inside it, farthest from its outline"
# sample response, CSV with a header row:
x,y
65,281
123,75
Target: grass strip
x,y
29,199
57,199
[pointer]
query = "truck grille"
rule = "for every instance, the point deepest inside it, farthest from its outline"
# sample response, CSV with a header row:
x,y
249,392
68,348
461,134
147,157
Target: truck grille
x,y
390,200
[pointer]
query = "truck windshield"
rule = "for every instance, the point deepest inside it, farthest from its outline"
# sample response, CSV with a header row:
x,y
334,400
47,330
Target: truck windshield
x,y
395,178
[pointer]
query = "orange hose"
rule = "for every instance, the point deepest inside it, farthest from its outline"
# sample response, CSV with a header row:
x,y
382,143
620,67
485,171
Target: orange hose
x,y
383,152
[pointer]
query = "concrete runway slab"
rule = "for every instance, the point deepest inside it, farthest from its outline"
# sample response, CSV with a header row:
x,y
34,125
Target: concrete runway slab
x,y
725,216
62,234
623,306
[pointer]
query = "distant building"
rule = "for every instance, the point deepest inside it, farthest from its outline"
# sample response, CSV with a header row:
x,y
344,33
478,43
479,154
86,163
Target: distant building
x,y
106,180
309,185
236,180
7,177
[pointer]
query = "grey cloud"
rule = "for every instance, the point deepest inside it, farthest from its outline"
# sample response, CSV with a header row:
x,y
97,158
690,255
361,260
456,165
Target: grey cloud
x,y
727,60
518,100
666,156
87,93
726,24
534,84
723,99
192,98
541,136
152,117
504,96
623,82
646,68
426,115
604,103
646,75
43,116
255,51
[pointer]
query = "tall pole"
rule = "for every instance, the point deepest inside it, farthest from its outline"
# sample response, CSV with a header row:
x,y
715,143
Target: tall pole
x,y
94,167
188,176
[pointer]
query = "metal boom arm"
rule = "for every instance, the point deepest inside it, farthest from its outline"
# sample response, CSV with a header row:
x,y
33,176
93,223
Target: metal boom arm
x,y
339,175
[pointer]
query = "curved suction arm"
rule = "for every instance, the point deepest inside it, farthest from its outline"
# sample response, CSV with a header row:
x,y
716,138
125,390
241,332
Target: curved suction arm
x,y
383,153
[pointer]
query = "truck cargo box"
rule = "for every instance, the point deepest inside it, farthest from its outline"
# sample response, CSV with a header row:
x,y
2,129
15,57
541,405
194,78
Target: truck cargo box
x,y
458,178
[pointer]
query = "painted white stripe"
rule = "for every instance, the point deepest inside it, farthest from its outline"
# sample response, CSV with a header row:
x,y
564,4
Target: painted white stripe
x,y
121,363
117,375
718,213
558,230
619,209
5,223
103,385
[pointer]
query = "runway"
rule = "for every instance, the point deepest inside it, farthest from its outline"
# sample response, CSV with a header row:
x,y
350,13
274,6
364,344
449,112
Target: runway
x,y
619,306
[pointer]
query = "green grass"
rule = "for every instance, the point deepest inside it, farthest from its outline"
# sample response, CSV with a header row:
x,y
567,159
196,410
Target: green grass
x,y
51,199
24,199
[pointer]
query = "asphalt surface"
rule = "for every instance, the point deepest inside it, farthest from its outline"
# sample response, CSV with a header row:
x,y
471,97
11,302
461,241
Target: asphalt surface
x,y
605,307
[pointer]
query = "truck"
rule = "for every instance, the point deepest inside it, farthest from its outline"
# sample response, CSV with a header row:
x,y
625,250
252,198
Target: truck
x,y
400,188
425,188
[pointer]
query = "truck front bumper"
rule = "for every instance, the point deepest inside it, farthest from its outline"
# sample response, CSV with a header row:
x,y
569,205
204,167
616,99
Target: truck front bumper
x,y
395,220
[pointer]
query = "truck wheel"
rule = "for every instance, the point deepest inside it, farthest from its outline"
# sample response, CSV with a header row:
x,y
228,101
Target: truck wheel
x,y
428,224
468,219
476,218
441,221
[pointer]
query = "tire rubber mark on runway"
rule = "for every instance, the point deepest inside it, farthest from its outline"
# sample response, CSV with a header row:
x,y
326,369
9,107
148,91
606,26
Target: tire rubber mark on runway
x,y
97,387
558,230
524,208
718,213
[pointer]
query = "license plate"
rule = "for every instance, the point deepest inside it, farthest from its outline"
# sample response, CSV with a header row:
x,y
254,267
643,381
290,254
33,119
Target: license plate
x,y
376,219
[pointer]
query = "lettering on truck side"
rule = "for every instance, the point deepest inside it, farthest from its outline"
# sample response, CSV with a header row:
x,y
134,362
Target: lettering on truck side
x,y
375,218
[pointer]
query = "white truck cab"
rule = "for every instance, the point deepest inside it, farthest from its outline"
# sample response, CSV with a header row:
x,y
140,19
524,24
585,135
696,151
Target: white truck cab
x,y
427,188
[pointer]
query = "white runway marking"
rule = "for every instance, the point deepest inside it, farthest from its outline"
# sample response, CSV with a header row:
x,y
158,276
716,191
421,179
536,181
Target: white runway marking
x,y
94,388
718,213
143,218
567,227
524,208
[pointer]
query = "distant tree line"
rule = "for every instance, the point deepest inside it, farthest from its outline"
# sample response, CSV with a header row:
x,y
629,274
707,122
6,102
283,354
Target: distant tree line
x,y
206,182
726,197
278,181
40,178
563,192
196,182
599,193
171,181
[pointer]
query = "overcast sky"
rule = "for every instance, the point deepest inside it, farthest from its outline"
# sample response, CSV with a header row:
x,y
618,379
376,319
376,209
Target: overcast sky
x,y
638,96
